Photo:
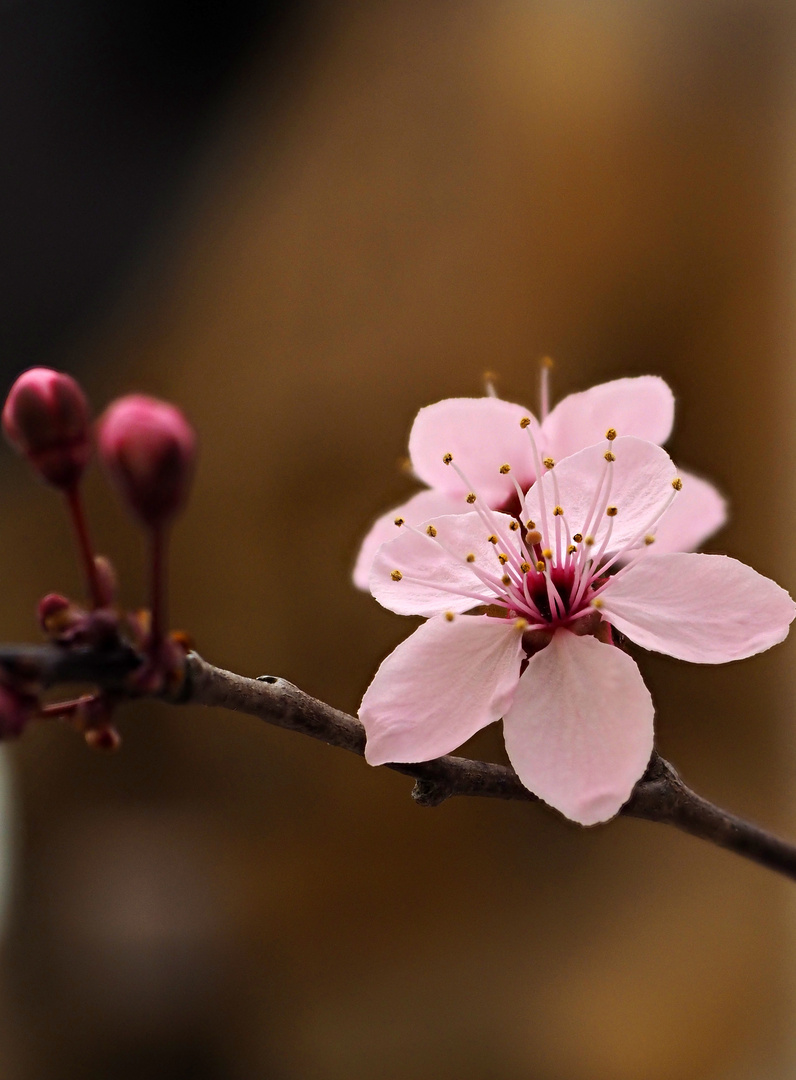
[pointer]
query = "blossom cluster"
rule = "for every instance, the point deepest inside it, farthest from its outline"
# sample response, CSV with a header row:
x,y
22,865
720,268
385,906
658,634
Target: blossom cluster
x,y
149,451
537,548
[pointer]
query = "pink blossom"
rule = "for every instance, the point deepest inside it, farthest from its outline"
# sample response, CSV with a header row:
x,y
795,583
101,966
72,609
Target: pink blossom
x,y
483,433
525,613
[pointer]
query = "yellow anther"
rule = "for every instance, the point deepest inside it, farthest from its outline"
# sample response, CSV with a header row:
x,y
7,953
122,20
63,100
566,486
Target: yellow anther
x,y
530,524
649,540
547,362
503,559
525,422
514,525
525,567
447,458
610,434
611,511
471,498
609,456
520,624
506,579
597,602
571,548
559,510
490,376
505,468
471,557
431,531
533,537
547,553
577,537
548,462
492,539
589,541
396,575
399,521
677,483
405,465
540,566
449,616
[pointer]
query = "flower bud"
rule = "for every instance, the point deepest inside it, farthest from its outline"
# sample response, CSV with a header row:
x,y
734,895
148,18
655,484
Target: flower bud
x,y
46,418
149,449
16,711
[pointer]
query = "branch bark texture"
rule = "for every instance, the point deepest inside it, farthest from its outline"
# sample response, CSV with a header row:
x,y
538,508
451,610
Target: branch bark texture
x,y
660,795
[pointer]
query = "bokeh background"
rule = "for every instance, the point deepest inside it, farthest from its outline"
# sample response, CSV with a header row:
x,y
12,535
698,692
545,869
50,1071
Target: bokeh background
x,y
303,221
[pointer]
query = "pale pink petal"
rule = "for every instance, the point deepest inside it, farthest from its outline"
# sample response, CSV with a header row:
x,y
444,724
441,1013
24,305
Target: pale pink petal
x,y
641,485
642,406
579,732
435,575
698,511
704,608
444,683
482,434
423,505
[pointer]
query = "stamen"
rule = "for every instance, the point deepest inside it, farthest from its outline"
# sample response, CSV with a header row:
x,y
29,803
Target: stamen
x,y
520,624
490,378
611,511
471,497
449,616
506,579
431,531
597,602
548,462
589,541
558,511
544,386
649,539
540,566
677,484
530,524
399,521
525,422
609,456
547,553
505,469
471,557
447,458
571,549
396,575
514,525
577,537
503,559
492,539
610,434
525,567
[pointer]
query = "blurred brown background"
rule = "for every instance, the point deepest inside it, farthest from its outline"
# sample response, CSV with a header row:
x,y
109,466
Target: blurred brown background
x,y
375,206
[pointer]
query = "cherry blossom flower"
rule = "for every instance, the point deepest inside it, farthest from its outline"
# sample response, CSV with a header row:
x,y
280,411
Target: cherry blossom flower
x,y
483,433
526,613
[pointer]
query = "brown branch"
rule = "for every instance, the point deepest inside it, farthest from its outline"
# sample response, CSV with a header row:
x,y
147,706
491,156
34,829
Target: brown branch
x,y
660,795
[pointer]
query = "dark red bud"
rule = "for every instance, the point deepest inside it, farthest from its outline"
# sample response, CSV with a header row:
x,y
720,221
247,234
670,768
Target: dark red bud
x,y
46,417
149,449
16,710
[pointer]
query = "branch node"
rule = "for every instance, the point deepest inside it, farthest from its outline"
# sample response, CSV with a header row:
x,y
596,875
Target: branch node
x,y
430,793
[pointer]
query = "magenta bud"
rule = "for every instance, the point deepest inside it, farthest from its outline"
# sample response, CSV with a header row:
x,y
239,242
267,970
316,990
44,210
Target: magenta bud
x,y
46,417
149,449
16,710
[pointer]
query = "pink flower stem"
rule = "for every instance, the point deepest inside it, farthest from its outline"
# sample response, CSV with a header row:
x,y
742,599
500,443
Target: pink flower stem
x,y
77,515
157,586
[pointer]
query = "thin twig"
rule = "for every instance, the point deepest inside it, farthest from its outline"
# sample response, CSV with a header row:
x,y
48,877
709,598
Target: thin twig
x,y
660,795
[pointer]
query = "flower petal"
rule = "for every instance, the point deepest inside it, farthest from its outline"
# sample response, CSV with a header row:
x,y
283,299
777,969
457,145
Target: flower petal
x,y
579,733
705,608
482,434
433,573
640,486
444,683
421,507
698,511
642,406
